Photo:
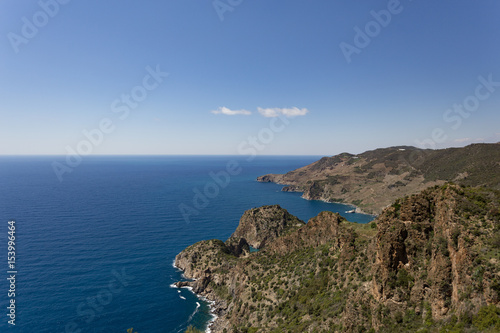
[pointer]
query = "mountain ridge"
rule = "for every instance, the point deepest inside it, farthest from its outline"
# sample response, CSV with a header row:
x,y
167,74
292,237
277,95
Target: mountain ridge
x,y
374,179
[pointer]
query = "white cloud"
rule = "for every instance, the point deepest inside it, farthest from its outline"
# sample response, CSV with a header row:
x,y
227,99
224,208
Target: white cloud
x,y
287,112
266,112
229,112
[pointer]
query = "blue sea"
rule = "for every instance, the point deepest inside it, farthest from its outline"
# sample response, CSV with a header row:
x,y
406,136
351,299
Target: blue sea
x,y
94,252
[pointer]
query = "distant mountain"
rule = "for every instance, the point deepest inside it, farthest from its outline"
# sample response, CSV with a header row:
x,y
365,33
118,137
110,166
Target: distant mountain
x,y
374,179
429,263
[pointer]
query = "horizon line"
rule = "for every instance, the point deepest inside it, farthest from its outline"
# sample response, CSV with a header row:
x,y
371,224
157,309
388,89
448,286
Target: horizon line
x,y
330,154
159,155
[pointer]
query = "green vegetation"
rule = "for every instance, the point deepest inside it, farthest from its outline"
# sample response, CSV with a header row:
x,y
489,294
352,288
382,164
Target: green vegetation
x,y
478,165
488,318
391,275
378,177
396,184
357,202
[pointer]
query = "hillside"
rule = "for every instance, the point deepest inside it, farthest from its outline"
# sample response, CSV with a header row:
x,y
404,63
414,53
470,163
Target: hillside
x,y
374,179
430,261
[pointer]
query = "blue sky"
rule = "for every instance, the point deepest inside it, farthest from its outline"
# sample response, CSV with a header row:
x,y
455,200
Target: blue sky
x,y
250,62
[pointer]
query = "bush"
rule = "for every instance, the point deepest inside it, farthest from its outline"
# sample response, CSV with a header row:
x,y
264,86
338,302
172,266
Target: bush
x,y
405,280
495,240
487,317
442,245
454,236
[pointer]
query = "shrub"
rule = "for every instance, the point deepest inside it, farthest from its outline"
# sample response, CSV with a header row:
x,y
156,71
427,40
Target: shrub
x,y
487,317
442,245
405,280
454,236
495,240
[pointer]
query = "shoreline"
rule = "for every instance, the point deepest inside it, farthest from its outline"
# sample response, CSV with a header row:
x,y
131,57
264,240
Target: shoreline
x,y
211,303
356,208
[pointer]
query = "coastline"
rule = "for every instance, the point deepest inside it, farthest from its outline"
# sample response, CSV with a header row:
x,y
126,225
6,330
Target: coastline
x,y
356,208
293,189
286,187
209,325
211,305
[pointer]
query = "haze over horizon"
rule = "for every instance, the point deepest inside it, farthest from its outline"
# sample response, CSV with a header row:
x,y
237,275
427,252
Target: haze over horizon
x,y
230,77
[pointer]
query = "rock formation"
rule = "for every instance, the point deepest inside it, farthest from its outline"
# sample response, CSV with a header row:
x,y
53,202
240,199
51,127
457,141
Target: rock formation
x,y
259,226
430,261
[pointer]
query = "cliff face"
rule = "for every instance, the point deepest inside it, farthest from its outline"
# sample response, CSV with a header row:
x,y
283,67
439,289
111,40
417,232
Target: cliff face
x,y
437,253
374,179
323,229
259,226
429,261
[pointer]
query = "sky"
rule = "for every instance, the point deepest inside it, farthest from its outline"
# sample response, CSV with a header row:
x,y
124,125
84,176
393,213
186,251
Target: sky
x,y
285,77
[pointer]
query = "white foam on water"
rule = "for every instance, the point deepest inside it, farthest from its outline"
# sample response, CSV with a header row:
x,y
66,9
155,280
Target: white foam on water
x,y
210,303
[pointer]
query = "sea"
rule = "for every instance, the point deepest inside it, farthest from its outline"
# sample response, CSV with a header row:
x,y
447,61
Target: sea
x,y
93,249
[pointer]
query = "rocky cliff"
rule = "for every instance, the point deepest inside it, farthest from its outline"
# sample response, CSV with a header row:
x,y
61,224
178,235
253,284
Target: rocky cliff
x,y
374,179
259,226
430,261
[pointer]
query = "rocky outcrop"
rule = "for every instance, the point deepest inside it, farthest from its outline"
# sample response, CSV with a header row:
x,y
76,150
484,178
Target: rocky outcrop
x,y
428,252
428,261
202,254
260,226
238,248
270,178
292,188
320,230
